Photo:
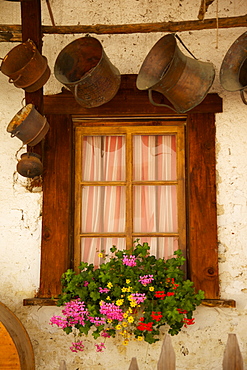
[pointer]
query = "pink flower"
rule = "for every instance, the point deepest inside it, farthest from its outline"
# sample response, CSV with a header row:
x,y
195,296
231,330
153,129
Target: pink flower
x,y
99,347
129,261
61,322
85,283
112,311
77,346
97,321
146,279
105,334
103,290
138,297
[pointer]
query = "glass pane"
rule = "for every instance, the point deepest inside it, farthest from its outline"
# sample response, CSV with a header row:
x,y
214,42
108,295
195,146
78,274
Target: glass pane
x,y
155,208
103,158
154,157
91,247
103,209
161,247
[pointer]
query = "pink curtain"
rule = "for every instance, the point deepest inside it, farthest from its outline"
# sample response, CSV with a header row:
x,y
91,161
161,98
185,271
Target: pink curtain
x,y
103,207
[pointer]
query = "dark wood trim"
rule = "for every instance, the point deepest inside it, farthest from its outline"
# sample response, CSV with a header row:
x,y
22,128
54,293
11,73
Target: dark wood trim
x,y
127,102
57,228
202,213
31,29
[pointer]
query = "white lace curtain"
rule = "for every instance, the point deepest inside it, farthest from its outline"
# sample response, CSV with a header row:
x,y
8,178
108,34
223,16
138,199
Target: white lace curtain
x,y
104,205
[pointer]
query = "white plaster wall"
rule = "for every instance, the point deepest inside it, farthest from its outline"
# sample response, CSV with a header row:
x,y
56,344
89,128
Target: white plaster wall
x,y
199,347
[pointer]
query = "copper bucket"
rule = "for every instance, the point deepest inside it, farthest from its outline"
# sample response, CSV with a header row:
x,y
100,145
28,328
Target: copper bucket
x,y
182,80
28,125
233,71
26,67
84,68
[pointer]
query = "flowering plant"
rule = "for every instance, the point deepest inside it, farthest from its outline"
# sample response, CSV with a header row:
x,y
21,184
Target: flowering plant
x,y
131,295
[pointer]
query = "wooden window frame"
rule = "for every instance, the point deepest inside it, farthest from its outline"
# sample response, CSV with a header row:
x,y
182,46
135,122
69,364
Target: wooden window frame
x,y
129,129
58,158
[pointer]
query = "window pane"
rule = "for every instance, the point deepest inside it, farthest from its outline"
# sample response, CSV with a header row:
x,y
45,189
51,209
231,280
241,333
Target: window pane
x,y
154,157
103,209
161,247
155,208
91,247
103,158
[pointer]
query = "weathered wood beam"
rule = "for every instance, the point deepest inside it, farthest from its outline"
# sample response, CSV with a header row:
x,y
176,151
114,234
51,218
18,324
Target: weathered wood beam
x,y
13,32
31,29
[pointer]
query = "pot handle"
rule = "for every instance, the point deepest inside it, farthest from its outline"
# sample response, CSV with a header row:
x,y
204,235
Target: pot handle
x,y
242,92
76,94
14,134
150,96
13,81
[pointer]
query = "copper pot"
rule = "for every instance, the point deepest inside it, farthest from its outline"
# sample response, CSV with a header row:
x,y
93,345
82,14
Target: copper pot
x,y
84,68
28,125
30,165
182,80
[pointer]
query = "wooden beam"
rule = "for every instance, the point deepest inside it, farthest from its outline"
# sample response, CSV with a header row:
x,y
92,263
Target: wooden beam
x,y
11,32
31,29
122,104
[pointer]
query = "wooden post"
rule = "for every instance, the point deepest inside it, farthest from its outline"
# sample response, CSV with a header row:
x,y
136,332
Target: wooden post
x,y
133,364
233,359
31,29
167,360
63,365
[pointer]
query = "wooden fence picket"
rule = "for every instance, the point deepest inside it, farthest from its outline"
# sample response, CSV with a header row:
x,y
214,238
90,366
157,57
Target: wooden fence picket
x,y
167,359
63,365
133,364
233,359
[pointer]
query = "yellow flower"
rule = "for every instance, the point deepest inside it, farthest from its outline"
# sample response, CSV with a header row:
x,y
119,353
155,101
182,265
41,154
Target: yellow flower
x,y
124,290
133,304
100,255
109,285
130,319
125,315
130,310
108,298
129,289
125,342
101,302
130,298
109,320
139,338
119,327
151,288
128,281
124,324
119,302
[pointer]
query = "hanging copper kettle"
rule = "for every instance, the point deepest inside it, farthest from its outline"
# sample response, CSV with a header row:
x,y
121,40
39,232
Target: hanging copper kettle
x,y
184,81
233,71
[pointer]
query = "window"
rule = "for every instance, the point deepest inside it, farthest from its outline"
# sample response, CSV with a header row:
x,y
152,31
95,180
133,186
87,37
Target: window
x,y
57,254
129,185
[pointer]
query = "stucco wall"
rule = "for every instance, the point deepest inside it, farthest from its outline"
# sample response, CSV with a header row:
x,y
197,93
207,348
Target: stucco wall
x,y
200,346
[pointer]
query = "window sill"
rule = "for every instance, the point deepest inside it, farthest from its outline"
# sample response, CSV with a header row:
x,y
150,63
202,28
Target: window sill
x,y
52,302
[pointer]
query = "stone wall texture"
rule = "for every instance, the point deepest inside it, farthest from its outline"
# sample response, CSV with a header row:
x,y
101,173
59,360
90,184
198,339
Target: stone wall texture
x,y
199,347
